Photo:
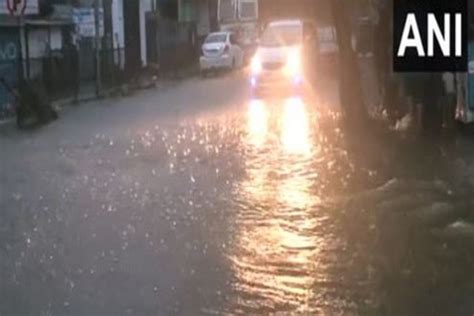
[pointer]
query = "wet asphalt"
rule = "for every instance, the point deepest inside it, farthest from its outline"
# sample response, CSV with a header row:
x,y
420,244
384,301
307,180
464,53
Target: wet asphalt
x,y
192,198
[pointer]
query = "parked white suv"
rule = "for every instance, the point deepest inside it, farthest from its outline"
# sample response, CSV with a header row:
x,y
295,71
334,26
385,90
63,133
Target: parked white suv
x,y
221,51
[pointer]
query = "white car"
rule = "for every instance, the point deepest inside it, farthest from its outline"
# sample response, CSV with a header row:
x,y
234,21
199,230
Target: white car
x,y
284,62
221,51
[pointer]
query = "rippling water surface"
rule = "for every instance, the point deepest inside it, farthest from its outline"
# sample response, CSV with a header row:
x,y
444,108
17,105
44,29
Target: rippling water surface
x,y
308,220
271,209
283,249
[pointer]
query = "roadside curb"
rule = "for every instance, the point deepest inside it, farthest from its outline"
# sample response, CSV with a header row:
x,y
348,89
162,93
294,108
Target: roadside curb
x,y
57,105
124,91
164,81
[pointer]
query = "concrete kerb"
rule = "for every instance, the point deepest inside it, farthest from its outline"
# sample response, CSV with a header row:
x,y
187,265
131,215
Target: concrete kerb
x,y
123,91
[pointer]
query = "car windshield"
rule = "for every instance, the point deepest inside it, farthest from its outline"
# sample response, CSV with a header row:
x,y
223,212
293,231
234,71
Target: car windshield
x,y
216,38
281,35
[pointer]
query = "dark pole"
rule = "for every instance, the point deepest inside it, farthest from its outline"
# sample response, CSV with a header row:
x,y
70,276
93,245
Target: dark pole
x,y
27,53
98,86
20,49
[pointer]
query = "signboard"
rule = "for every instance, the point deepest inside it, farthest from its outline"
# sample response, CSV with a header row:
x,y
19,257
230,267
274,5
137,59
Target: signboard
x,y
8,67
27,7
16,7
84,19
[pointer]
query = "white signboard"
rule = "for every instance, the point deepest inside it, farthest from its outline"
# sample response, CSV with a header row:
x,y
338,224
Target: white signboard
x,y
84,19
26,7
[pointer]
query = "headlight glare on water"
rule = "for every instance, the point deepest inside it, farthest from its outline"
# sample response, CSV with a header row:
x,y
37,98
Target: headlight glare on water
x,y
256,65
293,63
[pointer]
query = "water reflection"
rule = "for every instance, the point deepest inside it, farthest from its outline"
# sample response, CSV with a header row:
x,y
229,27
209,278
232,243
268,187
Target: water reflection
x,y
294,191
275,257
257,122
295,128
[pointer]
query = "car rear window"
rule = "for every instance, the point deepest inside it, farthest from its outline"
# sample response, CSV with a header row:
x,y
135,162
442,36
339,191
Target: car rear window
x,y
216,38
281,35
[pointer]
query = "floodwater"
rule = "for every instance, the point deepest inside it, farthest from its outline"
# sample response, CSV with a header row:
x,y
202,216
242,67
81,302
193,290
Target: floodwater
x,y
271,207
323,225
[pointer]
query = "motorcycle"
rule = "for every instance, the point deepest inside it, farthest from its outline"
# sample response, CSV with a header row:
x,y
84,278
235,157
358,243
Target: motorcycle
x,y
31,108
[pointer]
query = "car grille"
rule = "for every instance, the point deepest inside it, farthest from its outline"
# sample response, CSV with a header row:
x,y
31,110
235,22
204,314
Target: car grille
x,y
272,66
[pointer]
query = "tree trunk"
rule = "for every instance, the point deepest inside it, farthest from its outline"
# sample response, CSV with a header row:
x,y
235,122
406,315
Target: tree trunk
x,y
383,57
350,90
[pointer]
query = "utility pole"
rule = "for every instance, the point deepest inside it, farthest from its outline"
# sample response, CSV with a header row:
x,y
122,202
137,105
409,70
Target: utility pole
x,y
98,45
20,48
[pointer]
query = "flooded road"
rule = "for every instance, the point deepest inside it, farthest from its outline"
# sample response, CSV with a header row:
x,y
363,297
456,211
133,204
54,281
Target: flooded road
x,y
197,200
319,232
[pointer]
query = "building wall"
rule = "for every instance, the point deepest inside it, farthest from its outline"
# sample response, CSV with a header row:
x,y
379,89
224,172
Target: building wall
x,y
189,10
319,10
248,10
204,18
196,11
227,11
167,8
41,41
118,29
117,24
145,6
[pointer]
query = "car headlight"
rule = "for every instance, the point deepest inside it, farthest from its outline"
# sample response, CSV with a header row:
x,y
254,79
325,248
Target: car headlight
x,y
256,65
293,63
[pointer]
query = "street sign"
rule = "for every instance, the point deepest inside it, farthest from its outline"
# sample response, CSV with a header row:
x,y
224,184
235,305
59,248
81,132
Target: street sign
x,y
84,19
16,7
26,7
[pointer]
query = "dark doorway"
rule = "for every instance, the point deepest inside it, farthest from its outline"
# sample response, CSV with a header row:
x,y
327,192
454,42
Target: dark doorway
x,y
168,9
131,17
151,26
